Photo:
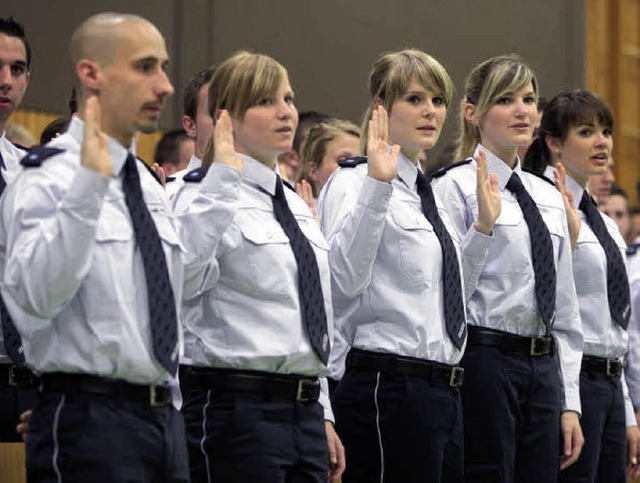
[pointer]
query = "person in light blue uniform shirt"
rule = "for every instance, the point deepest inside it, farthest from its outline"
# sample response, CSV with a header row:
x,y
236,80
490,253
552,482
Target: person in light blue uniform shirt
x,y
524,350
577,131
398,407
255,410
197,123
80,276
17,383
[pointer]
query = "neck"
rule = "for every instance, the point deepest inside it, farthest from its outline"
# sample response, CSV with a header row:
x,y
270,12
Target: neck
x,y
411,154
508,154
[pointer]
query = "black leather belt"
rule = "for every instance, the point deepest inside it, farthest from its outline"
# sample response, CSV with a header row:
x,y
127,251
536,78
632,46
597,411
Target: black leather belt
x,y
533,346
436,373
600,365
20,376
289,387
149,395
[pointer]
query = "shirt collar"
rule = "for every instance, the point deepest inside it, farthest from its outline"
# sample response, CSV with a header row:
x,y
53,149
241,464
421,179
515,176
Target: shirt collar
x,y
259,174
499,167
194,163
407,171
116,150
572,185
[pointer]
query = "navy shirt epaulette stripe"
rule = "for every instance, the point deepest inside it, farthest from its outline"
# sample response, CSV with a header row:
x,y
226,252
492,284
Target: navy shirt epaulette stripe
x,y
196,175
352,162
633,249
38,155
539,175
444,170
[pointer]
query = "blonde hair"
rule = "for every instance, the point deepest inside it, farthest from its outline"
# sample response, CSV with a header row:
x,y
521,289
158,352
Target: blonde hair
x,y
315,146
242,81
485,85
390,78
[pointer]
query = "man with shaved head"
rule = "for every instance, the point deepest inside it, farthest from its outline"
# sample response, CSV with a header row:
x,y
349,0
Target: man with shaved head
x,y
94,270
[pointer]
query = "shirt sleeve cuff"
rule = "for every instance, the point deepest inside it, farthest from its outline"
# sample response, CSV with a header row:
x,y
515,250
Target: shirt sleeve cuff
x,y
221,181
375,195
324,400
85,195
476,244
572,402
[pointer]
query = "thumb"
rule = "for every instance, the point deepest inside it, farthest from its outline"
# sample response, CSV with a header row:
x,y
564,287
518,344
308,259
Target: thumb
x,y
568,442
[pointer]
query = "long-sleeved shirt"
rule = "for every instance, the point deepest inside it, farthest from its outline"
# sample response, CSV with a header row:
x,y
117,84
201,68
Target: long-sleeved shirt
x,y
247,313
386,263
73,276
603,337
11,154
505,298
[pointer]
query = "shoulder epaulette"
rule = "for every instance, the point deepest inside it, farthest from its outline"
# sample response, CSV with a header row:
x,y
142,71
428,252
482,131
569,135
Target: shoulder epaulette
x,y
539,175
20,146
38,155
444,170
196,175
170,179
150,169
633,249
352,162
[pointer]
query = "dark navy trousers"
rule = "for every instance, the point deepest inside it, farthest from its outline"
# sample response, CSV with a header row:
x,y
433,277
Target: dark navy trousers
x,y
511,404
604,454
93,439
398,428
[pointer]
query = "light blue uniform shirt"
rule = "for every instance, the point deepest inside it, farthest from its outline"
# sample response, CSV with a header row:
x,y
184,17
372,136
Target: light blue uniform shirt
x,y
12,156
603,337
246,314
505,298
386,263
73,276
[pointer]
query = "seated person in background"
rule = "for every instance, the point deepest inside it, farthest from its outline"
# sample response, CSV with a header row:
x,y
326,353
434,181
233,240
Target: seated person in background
x,y
173,151
616,207
288,164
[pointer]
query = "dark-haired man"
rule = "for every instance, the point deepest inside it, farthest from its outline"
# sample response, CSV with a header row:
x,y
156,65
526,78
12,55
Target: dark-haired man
x,y
17,383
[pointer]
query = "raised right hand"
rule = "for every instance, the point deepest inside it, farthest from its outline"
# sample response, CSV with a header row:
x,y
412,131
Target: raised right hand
x,y
95,153
223,147
382,164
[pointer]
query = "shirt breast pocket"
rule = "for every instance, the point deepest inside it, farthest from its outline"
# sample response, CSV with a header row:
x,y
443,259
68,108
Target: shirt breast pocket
x,y
267,265
416,244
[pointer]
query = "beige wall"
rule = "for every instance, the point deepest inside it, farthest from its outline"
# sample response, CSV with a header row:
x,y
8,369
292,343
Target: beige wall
x,y
327,45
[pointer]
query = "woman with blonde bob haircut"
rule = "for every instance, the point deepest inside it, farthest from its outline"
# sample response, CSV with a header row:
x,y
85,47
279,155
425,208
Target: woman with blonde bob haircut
x,y
260,328
397,283
525,341
326,145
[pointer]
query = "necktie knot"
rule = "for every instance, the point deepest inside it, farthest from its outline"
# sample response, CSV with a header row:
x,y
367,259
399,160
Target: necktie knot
x,y
515,184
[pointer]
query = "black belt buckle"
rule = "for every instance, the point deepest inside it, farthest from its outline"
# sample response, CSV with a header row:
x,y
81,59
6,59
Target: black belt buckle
x,y
308,390
20,376
159,396
540,346
614,368
457,377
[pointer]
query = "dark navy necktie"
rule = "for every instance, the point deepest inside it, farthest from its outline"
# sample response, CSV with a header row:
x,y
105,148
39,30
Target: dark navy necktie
x,y
309,284
452,287
12,340
162,308
617,281
544,268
